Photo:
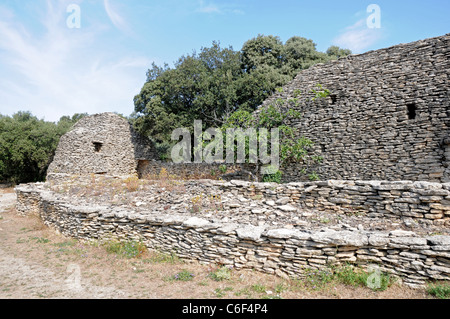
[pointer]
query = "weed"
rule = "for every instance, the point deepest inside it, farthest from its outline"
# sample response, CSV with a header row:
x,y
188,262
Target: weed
x,y
219,293
222,273
349,275
132,184
68,243
259,288
223,169
183,275
160,257
127,249
354,276
317,279
40,240
280,288
244,291
441,291
313,177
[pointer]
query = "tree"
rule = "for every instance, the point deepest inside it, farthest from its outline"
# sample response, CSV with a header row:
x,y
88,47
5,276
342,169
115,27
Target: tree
x,y
200,86
336,52
301,53
27,145
262,50
289,146
216,82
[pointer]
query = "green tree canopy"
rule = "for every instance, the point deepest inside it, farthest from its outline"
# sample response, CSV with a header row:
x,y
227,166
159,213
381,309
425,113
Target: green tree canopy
x,y
216,82
27,145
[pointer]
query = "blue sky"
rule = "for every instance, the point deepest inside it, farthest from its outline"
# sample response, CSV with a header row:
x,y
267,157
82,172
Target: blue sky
x,y
52,70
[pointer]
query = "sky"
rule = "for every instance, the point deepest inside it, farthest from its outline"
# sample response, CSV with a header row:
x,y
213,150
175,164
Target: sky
x,y
63,57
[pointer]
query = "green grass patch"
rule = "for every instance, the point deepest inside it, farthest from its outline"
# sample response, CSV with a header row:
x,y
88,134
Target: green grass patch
x,y
258,288
68,243
40,240
157,257
354,276
183,275
220,274
441,291
127,249
348,274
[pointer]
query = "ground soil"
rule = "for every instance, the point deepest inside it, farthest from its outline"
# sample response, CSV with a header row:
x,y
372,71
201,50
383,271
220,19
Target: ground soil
x,y
37,262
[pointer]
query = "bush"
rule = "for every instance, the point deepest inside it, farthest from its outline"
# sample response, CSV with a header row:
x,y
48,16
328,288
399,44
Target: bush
x,y
273,178
127,249
222,273
441,291
184,275
27,145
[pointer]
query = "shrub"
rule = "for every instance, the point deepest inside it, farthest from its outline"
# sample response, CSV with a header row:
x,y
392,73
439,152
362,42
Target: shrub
x,y
127,249
273,178
223,169
222,273
183,275
441,291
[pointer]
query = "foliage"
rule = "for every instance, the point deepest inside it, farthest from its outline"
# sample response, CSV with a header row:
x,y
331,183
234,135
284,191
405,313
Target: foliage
x,y
441,291
127,249
273,178
320,92
220,274
183,275
278,115
161,257
216,82
345,274
335,51
223,169
350,275
27,145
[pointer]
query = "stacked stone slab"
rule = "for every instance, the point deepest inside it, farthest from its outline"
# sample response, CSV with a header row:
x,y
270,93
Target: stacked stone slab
x,y
387,118
100,144
285,252
422,201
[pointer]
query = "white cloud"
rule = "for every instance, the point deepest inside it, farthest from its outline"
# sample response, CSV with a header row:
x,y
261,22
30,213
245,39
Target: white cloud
x,y
209,9
116,19
212,7
64,71
358,37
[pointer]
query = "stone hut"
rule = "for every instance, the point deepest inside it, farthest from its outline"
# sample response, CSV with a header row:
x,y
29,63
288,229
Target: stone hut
x,y
387,117
103,144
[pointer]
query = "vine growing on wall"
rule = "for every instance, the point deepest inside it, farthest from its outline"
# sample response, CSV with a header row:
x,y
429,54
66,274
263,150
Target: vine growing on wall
x,y
281,114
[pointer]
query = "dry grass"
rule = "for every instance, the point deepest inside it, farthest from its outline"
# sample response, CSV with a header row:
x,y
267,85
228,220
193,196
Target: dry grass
x,y
149,274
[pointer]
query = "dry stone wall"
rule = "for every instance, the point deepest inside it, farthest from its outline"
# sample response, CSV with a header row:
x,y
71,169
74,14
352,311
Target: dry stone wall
x,y
387,118
100,144
414,258
186,171
425,202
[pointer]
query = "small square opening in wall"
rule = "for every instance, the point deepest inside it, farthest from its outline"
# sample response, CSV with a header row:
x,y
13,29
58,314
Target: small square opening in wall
x,y
412,111
97,146
333,99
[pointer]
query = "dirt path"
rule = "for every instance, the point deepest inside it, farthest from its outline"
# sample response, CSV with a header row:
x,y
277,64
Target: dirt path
x,y
30,276
37,262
